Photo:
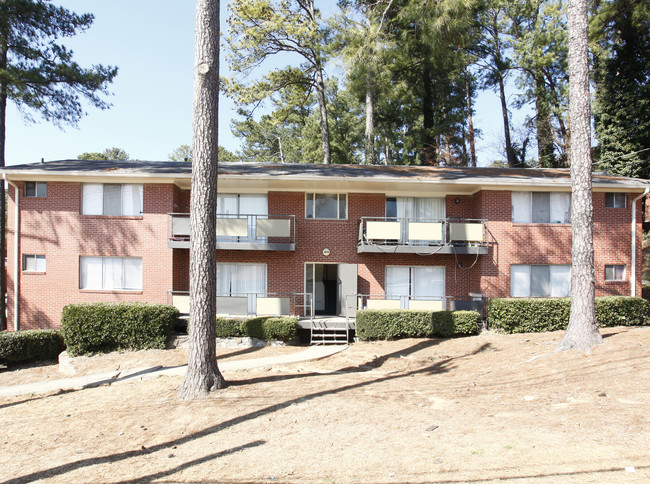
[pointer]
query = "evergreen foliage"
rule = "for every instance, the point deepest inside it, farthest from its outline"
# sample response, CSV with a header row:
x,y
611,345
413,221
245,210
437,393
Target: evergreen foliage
x,y
31,345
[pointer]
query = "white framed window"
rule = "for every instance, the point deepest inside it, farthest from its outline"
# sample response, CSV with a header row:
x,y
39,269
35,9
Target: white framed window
x,y
615,200
614,272
112,199
111,273
332,206
540,280
242,280
541,207
35,189
421,208
415,282
33,263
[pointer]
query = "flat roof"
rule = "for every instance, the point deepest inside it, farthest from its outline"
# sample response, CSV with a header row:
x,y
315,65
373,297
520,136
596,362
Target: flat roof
x,y
277,173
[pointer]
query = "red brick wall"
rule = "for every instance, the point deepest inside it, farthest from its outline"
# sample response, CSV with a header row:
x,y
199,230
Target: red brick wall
x,y
54,226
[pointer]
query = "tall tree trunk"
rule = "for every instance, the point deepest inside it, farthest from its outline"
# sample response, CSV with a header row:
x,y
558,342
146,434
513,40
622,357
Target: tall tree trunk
x,y
3,201
324,124
370,157
582,332
545,150
470,121
429,145
203,374
510,152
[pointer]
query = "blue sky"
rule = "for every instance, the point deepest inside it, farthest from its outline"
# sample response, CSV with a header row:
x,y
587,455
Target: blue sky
x,y
152,44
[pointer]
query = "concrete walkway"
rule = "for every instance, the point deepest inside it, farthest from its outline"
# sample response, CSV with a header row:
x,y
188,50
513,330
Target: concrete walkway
x,y
121,376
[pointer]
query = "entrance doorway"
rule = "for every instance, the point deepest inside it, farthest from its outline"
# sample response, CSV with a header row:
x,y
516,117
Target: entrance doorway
x,y
330,286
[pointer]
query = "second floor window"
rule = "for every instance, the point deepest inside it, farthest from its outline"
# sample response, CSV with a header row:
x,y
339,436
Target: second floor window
x,y
33,263
615,200
36,189
541,207
111,199
425,208
326,206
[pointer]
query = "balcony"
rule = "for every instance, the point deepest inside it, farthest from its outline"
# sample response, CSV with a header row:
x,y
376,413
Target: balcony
x,y
240,232
422,236
250,304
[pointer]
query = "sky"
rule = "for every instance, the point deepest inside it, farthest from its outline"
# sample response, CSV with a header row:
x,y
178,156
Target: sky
x,y
152,44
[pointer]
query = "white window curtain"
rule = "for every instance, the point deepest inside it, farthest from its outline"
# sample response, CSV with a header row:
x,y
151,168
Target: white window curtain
x,y
242,280
227,204
421,208
428,282
92,199
560,281
397,284
560,208
91,273
132,199
519,281
255,206
132,273
111,273
521,207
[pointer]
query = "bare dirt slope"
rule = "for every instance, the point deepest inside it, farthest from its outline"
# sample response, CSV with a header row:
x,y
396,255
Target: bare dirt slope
x,y
485,408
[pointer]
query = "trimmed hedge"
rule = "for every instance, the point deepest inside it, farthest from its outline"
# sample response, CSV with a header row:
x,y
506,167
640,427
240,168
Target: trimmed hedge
x,y
104,327
532,315
397,323
30,345
262,327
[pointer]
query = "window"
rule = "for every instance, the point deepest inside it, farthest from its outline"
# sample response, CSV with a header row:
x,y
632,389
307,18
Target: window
x,y
540,280
251,206
111,273
615,200
326,206
34,263
418,282
428,208
36,189
614,272
541,207
111,199
243,280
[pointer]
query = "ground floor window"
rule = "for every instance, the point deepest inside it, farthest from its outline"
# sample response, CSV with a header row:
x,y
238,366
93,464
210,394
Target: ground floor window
x,y
33,263
614,272
417,282
242,280
540,280
111,273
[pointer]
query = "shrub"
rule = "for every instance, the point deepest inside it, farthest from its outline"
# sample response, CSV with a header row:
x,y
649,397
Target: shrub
x,y
465,322
392,324
621,311
281,328
530,315
105,327
442,324
30,345
253,327
228,327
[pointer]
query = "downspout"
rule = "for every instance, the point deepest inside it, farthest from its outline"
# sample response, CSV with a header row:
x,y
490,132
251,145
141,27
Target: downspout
x,y
16,252
633,261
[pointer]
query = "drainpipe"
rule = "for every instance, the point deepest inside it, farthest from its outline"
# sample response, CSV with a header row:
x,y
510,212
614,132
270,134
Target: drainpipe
x,y
16,252
633,262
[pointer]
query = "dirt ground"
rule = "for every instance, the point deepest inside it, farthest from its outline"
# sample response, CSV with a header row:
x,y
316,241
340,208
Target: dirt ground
x,y
489,408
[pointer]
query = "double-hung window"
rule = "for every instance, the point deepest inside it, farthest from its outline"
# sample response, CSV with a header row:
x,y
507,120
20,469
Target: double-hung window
x,y
331,206
242,280
615,200
540,280
541,207
112,199
417,282
33,263
111,273
36,189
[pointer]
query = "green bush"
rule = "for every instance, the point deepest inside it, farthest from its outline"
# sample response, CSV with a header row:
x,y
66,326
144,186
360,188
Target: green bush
x,y
105,327
392,324
253,327
621,311
281,328
30,345
532,315
465,322
228,327
442,324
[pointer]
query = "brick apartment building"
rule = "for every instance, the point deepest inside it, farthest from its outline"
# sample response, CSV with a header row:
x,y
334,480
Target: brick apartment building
x,y
308,239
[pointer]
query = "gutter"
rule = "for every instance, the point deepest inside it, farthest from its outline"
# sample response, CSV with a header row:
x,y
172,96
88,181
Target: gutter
x,y
633,261
16,252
